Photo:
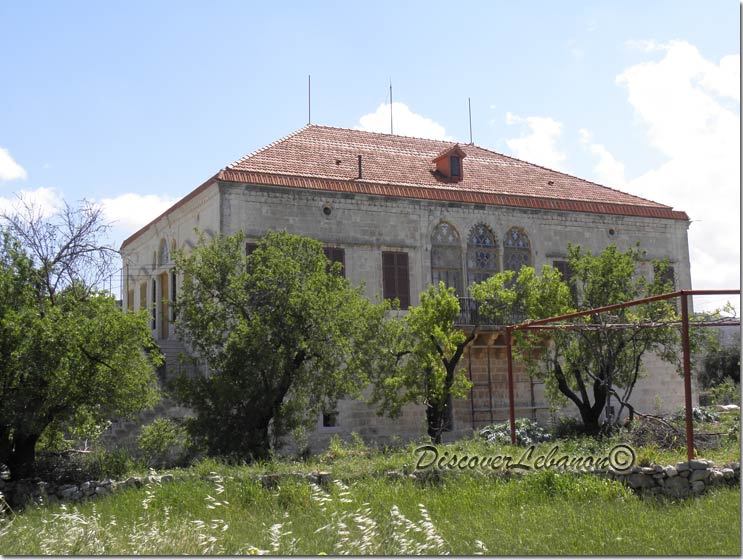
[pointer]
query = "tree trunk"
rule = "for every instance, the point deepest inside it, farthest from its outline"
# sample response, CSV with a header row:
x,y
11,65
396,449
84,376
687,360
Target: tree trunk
x,y
590,419
435,417
22,458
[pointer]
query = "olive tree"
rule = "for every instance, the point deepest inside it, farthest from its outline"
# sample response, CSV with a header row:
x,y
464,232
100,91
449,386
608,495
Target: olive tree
x,y
428,369
282,335
597,358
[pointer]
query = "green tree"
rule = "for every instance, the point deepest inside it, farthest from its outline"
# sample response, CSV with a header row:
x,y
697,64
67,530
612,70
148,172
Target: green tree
x,y
720,362
428,369
281,333
66,350
595,362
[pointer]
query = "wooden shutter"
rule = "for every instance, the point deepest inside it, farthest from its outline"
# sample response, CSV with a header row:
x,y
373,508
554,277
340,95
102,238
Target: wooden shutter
x,y
336,255
142,296
395,277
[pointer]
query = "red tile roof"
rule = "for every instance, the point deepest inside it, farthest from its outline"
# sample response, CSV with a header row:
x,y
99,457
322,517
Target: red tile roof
x,y
326,159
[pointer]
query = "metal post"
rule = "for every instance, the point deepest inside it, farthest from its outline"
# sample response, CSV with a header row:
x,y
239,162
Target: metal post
x,y
511,409
687,375
472,390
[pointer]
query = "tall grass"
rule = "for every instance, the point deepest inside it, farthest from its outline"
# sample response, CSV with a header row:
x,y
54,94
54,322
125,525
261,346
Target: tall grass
x,y
229,513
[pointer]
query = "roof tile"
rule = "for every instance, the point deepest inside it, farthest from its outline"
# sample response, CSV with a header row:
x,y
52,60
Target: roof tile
x,y
326,158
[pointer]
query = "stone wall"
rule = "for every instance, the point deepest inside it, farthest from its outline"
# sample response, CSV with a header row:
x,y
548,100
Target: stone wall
x,y
685,479
679,481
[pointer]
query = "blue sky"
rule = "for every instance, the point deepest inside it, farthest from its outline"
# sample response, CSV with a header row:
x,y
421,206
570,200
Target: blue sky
x,y
134,104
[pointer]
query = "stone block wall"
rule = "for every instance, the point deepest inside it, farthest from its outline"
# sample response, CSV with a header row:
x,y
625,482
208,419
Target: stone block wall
x,y
366,225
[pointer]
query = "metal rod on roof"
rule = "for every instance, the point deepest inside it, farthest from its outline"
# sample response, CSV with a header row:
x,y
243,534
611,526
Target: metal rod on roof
x,y
469,105
309,99
392,130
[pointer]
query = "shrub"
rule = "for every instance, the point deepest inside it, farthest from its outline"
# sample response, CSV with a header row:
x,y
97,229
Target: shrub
x,y
727,392
528,432
160,441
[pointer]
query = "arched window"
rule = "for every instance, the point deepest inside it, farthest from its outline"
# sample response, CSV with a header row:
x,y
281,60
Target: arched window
x,y
482,254
516,250
163,253
446,257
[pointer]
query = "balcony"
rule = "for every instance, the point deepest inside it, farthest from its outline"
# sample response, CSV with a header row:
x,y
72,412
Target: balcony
x,y
469,316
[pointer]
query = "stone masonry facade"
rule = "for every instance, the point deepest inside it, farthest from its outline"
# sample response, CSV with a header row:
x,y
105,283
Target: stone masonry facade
x,y
366,225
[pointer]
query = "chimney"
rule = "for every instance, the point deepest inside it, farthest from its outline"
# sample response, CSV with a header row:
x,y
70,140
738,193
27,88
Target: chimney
x,y
359,177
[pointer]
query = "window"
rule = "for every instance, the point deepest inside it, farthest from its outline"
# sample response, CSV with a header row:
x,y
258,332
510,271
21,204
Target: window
x,y
153,304
130,300
516,250
563,267
667,274
482,254
456,170
395,278
336,255
173,295
446,257
330,419
142,296
249,248
164,254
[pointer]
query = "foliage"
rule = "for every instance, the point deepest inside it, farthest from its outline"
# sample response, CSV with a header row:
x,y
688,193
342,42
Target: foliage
x,y
235,515
721,363
727,392
595,363
528,432
159,440
429,371
66,350
282,334
76,467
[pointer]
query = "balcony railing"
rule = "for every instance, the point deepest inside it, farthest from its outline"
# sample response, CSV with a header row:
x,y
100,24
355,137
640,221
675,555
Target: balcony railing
x,y
469,316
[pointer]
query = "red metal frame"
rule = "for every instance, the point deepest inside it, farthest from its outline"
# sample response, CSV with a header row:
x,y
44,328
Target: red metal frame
x,y
683,294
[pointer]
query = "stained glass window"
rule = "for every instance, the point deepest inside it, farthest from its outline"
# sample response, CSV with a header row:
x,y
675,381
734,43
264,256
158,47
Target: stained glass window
x,y
516,250
446,257
482,254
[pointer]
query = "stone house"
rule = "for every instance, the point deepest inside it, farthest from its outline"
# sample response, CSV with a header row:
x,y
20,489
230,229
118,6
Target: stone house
x,y
401,213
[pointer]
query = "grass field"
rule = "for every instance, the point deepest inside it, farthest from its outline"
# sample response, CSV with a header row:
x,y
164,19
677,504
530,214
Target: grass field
x,y
221,509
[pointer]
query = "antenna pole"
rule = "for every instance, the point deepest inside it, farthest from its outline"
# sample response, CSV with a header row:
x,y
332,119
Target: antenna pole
x,y
469,105
392,130
309,99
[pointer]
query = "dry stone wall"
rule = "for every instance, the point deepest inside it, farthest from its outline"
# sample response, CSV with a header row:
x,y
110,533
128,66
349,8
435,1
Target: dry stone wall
x,y
682,480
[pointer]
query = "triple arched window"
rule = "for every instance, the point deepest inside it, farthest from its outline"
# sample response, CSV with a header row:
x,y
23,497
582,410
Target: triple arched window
x,y
482,254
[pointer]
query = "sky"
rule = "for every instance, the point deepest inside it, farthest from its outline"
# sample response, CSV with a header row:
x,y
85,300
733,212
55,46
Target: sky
x,y
134,104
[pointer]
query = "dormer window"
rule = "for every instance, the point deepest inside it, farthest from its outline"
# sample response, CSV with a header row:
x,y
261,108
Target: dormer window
x,y
449,164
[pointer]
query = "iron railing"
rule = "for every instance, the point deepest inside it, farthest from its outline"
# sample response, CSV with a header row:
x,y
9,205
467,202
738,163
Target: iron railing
x,y
469,316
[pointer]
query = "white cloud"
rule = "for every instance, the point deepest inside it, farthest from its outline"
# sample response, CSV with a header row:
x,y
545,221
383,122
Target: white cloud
x,y
44,199
539,145
608,169
680,101
131,211
9,169
405,122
